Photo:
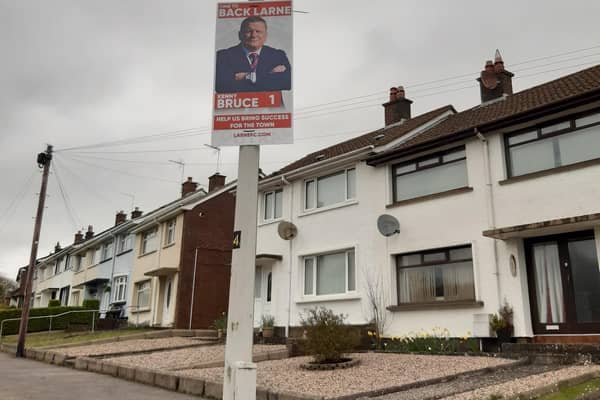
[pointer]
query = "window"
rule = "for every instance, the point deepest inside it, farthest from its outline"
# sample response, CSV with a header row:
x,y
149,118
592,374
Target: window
x,y
96,256
428,175
143,294
64,296
554,145
332,273
119,288
170,232
435,275
68,262
148,241
272,205
57,267
75,298
107,250
77,263
124,243
330,189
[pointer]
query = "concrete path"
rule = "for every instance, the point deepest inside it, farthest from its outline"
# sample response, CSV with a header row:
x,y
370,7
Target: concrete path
x,y
22,379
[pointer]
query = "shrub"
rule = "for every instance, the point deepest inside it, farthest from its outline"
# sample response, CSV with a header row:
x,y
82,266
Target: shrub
x,y
327,336
504,318
91,304
54,303
221,322
42,324
268,321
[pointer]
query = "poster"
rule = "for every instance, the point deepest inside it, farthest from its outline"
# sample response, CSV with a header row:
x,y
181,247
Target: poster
x,y
252,98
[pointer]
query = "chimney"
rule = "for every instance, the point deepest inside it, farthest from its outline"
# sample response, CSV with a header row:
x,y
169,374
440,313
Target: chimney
x,y
215,182
90,232
78,237
120,217
398,108
57,248
495,81
136,213
188,187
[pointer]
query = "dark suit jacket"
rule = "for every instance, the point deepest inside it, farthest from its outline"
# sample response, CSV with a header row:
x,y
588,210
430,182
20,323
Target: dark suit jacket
x,y
233,60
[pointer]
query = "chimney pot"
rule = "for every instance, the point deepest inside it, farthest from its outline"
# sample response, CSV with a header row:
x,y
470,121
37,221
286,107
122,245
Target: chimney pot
x,y
136,213
90,232
398,108
188,187
494,80
57,248
215,182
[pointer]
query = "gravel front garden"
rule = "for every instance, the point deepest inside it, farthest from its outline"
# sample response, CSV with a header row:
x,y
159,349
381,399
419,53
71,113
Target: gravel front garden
x,y
133,345
376,371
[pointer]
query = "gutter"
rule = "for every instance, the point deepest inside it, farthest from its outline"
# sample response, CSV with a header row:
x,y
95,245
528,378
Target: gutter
x,y
317,165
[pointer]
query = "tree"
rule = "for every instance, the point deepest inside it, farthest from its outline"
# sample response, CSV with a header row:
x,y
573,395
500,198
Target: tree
x,y
6,286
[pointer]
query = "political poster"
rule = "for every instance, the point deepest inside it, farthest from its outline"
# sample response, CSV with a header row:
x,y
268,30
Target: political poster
x,y
253,101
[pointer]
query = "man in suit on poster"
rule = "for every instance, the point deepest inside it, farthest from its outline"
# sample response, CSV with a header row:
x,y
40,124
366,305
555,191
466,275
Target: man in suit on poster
x,y
251,66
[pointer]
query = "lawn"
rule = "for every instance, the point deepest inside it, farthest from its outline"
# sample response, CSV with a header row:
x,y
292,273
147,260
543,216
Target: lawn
x,y
574,392
56,338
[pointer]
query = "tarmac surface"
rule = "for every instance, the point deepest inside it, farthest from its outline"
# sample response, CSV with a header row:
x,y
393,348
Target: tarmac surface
x,y
22,379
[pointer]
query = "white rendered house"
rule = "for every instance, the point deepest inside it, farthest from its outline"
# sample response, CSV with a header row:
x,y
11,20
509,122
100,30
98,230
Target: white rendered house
x,y
497,202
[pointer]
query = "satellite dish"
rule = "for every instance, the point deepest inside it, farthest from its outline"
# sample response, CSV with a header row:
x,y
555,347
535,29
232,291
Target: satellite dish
x,y
287,230
388,225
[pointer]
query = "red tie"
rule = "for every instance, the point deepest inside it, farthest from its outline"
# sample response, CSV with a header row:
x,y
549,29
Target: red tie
x,y
253,61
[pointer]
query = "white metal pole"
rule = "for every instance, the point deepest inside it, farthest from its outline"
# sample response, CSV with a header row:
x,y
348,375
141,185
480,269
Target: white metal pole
x,y
238,347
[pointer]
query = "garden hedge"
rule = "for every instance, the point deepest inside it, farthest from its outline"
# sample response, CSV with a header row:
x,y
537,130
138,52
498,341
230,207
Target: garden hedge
x,y
43,324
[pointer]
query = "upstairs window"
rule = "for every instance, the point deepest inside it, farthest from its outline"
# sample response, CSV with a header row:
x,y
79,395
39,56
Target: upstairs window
x,y
77,263
272,205
124,243
96,256
170,232
148,241
332,273
330,189
107,251
435,275
552,146
68,262
429,175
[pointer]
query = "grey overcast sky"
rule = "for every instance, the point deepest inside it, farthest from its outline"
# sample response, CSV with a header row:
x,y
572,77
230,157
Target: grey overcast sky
x,y
81,72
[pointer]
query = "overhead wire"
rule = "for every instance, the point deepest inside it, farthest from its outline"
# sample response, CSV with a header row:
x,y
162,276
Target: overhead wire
x,y
67,201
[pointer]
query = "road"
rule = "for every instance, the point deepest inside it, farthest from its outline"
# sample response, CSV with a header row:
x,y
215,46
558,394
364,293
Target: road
x,y
22,379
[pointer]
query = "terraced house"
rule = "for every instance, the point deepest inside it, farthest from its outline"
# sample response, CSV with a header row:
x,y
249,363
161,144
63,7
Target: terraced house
x,y
102,266
495,203
181,268
52,279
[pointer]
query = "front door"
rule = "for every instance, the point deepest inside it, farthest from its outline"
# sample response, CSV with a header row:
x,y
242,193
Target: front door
x,y
263,288
167,302
564,283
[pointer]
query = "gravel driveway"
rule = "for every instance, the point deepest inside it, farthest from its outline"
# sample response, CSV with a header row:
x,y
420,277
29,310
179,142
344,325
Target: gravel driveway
x,y
376,371
129,345
185,358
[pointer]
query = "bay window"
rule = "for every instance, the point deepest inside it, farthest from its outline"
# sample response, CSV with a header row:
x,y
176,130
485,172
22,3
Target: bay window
x,y
331,273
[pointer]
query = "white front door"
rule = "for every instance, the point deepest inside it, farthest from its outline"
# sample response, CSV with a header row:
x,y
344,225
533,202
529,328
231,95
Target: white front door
x,y
167,302
263,288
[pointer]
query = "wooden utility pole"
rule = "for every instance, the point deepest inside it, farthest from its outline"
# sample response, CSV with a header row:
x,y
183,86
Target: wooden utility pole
x,y
43,160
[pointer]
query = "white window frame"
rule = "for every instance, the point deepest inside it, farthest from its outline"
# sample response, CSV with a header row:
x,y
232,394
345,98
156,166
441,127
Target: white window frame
x,y
141,287
314,258
170,231
148,237
315,182
106,252
77,263
124,243
118,283
273,208
96,255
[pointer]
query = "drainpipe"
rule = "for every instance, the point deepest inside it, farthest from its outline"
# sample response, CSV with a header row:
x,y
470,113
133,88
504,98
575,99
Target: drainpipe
x,y
491,211
193,287
112,271
289,316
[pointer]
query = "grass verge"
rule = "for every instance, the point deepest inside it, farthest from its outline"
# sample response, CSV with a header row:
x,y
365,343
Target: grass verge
x,y
57,338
